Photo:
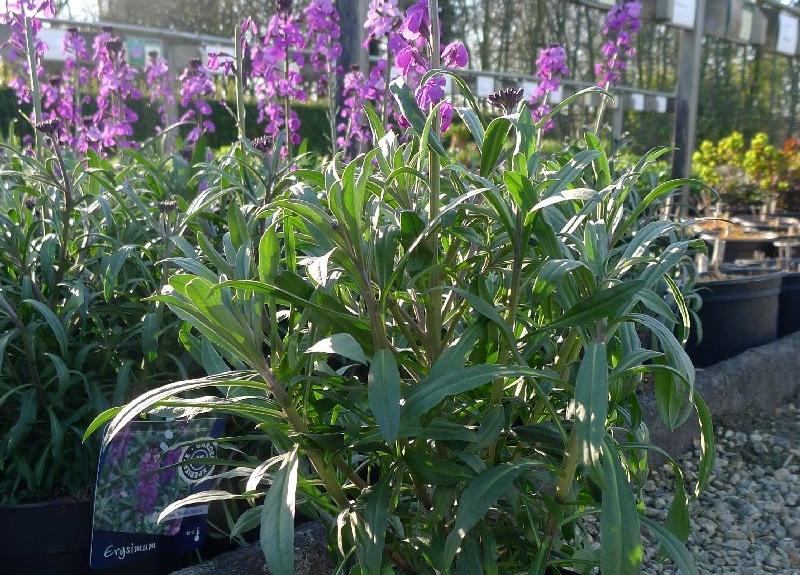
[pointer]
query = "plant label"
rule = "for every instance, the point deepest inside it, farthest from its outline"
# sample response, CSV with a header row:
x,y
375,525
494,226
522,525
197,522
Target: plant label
x,y
146,467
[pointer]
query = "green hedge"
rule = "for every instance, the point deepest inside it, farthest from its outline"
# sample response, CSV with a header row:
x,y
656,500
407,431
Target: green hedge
x,y
314,126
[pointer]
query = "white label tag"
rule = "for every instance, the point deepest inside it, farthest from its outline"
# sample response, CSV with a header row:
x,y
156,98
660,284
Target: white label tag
x,y
637,102
528,88
684,13
661,104
485,86
787,34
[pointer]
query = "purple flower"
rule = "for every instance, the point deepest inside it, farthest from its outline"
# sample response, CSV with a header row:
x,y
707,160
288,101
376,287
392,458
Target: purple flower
x,y
507,99
551,66
417,22
353,127
159,82
147,485
455,55
196,86
15,14
382,16
323,39
411,48
112,122
623,23
277,62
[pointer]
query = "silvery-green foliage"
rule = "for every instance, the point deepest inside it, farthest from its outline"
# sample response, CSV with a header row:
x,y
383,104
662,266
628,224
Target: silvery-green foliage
x,y
445,362
82,243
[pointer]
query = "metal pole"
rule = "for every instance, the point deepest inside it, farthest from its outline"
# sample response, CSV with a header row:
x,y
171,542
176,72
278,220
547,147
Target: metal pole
x,y
687,100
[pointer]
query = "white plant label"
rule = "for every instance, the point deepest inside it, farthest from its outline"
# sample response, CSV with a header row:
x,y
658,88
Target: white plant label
x,y
528,88
746,31
485,86
787,34
53,38
684,13
637,102
661,104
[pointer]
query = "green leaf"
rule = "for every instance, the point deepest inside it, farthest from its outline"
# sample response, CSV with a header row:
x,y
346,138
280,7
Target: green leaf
x,y
591,402
383,385
673,547
376,519
707,443
407,102
478,497
101,420
621,548
493,143
55,324
432,391
269,254
342,344
277,518
678,517
605,303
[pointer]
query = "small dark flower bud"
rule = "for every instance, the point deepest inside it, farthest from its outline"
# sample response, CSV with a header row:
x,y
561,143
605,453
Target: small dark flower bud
x,y
114,45
284,6
167,206
263,143
186,154
72,31
30,202
48,126
153,54
55,81
507,98
195,63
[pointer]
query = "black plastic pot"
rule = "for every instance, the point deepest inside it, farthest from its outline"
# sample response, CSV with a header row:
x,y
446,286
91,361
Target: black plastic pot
x,y
789,315
53,538
737,314
46,538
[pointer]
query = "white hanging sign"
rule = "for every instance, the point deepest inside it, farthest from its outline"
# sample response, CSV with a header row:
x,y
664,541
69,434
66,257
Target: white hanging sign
x,y
485,86
661,104
448,84
787,34
684,13
637,102
556,95
746,29
528,88
215,49
54,39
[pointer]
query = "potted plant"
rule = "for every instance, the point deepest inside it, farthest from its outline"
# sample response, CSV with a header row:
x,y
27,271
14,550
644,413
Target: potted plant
x,y
444,362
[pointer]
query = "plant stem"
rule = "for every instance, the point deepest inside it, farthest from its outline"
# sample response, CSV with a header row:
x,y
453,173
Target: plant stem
x,y
241,113
33,69
434,315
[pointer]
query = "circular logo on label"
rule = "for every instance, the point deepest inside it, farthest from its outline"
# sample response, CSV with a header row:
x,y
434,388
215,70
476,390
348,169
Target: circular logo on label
x,y
193,472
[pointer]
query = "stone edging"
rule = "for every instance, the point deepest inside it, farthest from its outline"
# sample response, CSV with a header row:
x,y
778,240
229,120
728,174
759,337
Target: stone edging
x,y
736,389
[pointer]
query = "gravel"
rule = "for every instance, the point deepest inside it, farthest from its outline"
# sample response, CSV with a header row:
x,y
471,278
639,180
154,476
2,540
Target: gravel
x,y
747,522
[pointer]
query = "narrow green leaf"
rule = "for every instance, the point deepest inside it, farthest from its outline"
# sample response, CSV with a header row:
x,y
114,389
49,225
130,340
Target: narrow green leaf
x,y
476,500
673,547
493,143
376,519
342,344
591,402
277,518
707,443
605,303
383,385
55,324
621,549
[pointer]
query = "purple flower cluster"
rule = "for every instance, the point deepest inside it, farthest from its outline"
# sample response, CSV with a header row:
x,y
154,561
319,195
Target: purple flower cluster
x,y
382,17
353,127
322,19
623,23
159,82
196,86
410,47
551,67
276,71
14,16
112,123
147,486
75,77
